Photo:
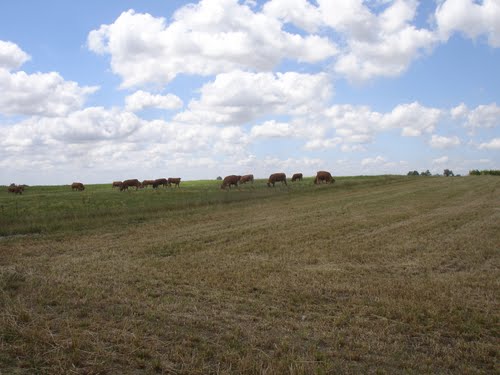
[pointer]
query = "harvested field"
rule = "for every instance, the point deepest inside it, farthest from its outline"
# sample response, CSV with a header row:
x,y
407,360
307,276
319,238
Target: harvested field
x,y
383,274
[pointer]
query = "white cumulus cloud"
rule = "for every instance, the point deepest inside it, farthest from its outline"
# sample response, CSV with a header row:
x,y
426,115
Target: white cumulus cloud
x,y
494,144
438,141
238,97
441,160
377,45
378,160
210,37
414,119
271,129
44,94
11,56
142,99
471,18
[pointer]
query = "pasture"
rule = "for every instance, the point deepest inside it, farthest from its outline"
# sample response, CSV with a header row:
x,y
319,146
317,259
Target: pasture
x,y
382,274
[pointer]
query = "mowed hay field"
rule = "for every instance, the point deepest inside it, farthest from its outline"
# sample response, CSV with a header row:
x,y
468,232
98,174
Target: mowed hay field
x,y
384,274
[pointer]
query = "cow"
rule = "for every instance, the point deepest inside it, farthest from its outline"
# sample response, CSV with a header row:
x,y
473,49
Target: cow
x,y
323,176
77,186
230,180
132,182
21,187
276,177
174,180
15,189
297,177
160,181
246,178
147,183
117,184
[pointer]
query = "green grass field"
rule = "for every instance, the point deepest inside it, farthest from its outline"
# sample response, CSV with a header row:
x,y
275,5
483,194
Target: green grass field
x,y
382,274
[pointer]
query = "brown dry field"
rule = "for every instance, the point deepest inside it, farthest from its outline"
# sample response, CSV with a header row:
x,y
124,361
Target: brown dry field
x,y
401,277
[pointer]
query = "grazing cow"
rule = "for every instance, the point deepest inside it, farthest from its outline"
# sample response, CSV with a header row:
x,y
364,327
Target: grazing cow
x,y
21,187
147,183
174,180
77,186
15,189
297,177
117,184
132,182
276,177
246,178
230,180
323,176
160,181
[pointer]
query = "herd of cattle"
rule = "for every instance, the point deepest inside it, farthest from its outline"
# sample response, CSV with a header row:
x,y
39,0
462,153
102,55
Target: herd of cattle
x,y
232,180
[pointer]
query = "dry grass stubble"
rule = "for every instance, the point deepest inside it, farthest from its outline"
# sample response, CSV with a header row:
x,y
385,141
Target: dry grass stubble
x,y
396,278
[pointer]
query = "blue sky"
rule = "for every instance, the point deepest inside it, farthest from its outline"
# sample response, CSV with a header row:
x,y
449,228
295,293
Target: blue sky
x,y
100,91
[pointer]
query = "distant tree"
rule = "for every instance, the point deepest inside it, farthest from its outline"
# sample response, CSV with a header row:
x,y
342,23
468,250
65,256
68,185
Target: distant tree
x,y
492,172
412,173
426,173
448,172
219,178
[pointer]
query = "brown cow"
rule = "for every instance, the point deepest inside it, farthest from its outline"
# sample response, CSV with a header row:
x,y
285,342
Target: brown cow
x,y
276,177
77,186
297,177
15,189
132,182
21,187
174,180
230,180
246,178
147,183
323,176
160,181
117,184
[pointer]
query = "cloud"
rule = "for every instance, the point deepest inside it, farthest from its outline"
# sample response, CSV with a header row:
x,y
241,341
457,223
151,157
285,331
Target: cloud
x,y
273,164
89,125
376,45
210,37
43,94
141,100
483,116
494,144
459,111
271,129
112,140
360,124
441,160
239,97
321,144
444,142
11,56
299,12
414,119
470,18
379,160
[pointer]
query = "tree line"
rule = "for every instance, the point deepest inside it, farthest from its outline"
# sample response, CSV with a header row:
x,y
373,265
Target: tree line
x,y
477,172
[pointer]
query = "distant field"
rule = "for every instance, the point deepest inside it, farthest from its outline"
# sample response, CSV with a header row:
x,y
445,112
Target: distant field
x,y
45,209
383,274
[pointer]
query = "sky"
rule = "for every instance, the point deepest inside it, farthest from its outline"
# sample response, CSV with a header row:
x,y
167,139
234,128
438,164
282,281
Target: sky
x,y
98,91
